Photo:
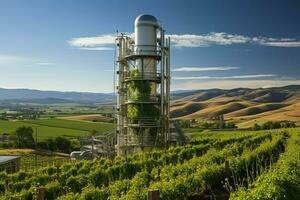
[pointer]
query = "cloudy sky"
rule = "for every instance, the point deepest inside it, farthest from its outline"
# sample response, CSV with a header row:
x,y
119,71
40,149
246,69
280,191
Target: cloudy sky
x,y
68,45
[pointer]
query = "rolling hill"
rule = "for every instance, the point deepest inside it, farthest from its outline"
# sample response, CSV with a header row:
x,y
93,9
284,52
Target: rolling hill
x,y
241,105
50,97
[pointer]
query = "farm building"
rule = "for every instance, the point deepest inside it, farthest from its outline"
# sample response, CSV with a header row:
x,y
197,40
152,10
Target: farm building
x,y
10,164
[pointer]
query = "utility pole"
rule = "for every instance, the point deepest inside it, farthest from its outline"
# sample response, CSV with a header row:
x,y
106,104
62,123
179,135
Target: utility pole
x,y
36,147
93,147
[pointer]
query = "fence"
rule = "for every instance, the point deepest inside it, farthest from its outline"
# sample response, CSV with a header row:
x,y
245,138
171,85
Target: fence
x,y
33,162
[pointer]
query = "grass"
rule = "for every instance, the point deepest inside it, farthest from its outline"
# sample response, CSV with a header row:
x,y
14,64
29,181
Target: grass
x,y
73,124
71,110
197,133
3,110
48,128
91,118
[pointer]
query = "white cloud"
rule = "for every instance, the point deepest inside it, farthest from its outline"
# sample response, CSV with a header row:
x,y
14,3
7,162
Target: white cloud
x,y
43,63
230,84
221,38
9,60
193,78
96,48
248,76
282,44
106,41
276,42
199,69
189,40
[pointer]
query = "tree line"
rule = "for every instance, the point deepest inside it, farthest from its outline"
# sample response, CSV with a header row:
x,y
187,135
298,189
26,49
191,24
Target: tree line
x,y
23,137
217,122
274,125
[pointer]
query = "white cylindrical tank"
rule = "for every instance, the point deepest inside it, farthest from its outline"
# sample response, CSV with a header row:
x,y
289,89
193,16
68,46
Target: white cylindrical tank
x,y
146,28
145,31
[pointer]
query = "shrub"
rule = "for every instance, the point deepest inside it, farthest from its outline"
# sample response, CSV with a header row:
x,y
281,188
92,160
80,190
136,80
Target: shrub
x,y
51,170
63,144
92,193
76,183
21,176
3,175
2,187
98,178
53,190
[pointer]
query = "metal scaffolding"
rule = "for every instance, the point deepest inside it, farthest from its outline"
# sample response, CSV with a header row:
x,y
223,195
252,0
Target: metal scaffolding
x,y
143,94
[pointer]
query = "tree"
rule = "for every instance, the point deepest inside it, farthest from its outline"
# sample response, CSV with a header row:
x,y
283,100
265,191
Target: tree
x,y
267,125
206,125
231,125
24,137
276,125
63,144
94,132
75,144
287,124
221,123
256,127
42,145
291,124
51,145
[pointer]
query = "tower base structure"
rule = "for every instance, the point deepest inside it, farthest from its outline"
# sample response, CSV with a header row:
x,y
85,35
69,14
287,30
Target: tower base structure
x,y
143,88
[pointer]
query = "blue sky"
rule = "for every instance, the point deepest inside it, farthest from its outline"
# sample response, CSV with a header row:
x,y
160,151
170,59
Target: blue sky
x,y
67,44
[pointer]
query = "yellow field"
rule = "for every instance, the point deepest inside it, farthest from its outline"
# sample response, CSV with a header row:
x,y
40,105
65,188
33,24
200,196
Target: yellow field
x,y
245,110
93,117
16,151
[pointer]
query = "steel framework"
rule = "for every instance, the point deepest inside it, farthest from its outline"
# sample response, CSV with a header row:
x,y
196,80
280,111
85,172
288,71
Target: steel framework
x,y
143,97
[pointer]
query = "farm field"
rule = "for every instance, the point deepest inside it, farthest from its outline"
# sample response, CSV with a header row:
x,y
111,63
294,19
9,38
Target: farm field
x,y
56,127
73,124
90,118
245,107
73,110
145,100
215,165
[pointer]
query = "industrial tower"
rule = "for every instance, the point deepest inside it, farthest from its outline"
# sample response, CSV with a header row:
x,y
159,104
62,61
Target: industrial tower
x,y
143,87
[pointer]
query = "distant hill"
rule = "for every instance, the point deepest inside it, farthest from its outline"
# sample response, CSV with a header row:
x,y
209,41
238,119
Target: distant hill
x,y
241,105
44,97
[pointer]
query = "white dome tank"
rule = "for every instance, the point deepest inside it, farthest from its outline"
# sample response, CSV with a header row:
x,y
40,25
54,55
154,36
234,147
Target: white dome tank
x,y
146,27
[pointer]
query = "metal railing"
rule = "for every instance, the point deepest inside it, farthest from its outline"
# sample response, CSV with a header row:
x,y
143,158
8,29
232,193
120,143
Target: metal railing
x,y
143,98
143,76
142,122
133,54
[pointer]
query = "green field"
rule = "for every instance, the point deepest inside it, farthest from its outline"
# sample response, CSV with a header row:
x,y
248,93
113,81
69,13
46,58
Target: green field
x,y
231,165
47,128
198,133
3,110
71,110
72,124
